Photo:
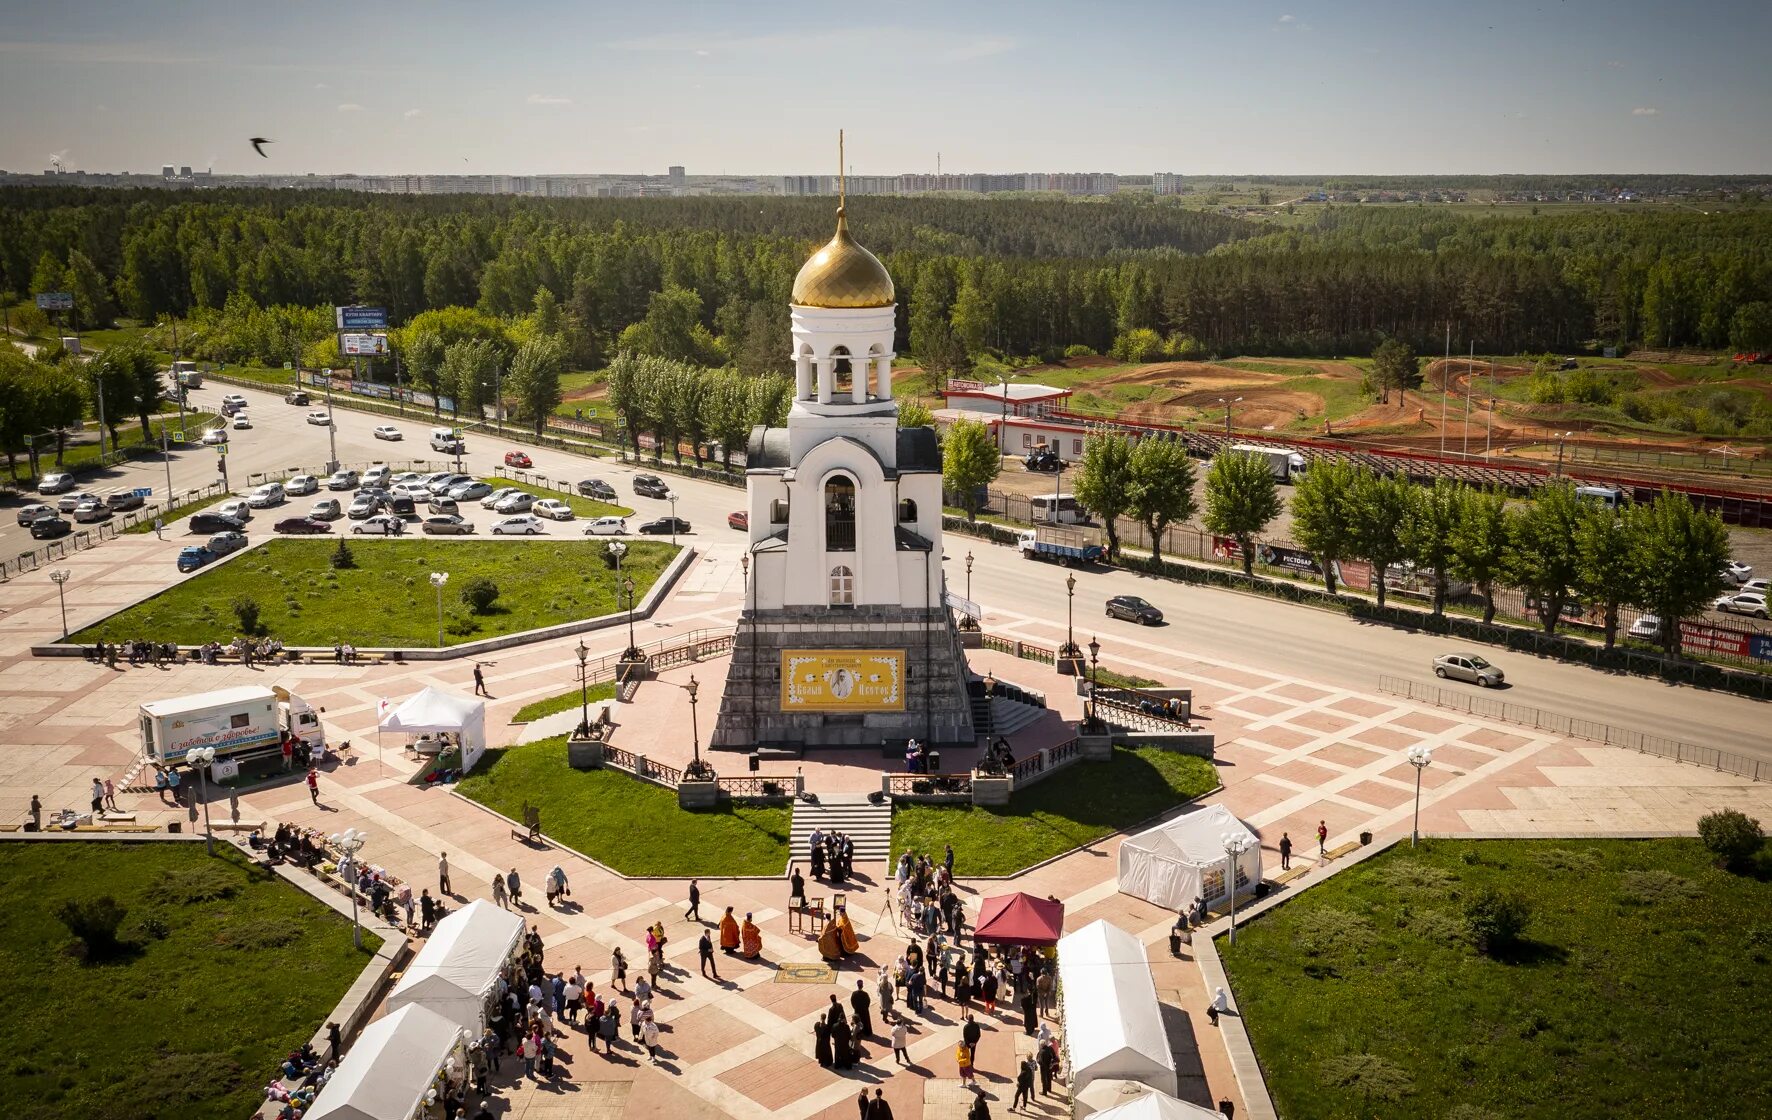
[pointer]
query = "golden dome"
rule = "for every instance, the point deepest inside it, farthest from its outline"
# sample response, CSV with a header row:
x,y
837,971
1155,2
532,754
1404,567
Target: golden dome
x,y
843,274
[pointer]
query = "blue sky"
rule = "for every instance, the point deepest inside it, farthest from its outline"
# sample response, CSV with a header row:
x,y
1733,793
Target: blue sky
x,y
1293,87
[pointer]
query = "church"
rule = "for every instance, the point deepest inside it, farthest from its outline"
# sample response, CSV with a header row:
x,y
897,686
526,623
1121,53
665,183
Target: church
x,y
846,639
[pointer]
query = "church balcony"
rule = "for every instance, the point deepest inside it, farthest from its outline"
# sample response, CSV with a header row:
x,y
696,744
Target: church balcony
x,y
839,532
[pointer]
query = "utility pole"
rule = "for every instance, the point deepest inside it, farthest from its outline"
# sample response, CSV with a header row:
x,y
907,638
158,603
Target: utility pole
x,y
1470,377
1444,369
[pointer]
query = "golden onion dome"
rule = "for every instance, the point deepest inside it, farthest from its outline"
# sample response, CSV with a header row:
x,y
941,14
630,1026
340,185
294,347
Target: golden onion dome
x,y
843,274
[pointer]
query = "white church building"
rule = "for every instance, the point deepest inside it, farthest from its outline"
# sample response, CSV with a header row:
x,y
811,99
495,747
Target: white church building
x,y
845,639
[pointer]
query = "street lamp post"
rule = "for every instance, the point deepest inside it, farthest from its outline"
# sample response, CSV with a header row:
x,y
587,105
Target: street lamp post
x,y
1560,440
1419,757
1094,673
1227,412
332,435
1235,844
1070,654
349,843
201,759
694,726
744,564
61,577
671,496
584,690
633,653
438,579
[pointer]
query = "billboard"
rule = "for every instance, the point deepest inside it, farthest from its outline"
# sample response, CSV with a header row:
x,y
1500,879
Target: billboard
x,y
55,301
842,680
1273,555
362,345
362,318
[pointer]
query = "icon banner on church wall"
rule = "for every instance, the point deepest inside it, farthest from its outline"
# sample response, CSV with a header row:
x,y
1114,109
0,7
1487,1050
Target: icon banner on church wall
x,y
849,680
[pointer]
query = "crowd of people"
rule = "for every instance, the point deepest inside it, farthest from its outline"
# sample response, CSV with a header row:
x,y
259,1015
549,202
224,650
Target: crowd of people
x,y
832,855
162,654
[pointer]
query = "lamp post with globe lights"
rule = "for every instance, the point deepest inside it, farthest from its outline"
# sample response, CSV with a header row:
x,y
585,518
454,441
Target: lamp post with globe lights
x,y
349,843
438,579
697,768
1419,757
584,691
1070,654
1094,675
1235,844
201,759
61,577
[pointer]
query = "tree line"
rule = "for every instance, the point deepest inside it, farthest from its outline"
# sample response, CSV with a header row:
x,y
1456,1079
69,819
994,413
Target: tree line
x,y
676,402
54,393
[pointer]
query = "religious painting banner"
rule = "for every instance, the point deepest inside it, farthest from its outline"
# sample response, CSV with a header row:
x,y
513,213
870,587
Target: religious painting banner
x,y
846,680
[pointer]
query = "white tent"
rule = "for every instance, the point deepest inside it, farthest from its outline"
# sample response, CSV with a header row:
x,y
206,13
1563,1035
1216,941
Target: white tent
x,y
386,1075
1184,859
1152,1105
454,974
1113,1025
437,710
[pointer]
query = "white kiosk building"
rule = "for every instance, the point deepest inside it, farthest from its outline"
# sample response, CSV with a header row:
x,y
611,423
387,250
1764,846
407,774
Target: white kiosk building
x,y
845,640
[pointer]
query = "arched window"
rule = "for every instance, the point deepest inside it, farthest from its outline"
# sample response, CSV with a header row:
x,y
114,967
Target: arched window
x,y
842,587
839,514
842,374
907,510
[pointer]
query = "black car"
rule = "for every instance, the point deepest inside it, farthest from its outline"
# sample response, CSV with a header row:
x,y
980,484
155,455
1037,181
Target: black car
x,y
302,525
49,528
124,499
650,486
402,506
1133,609
666,525
216,523
597,488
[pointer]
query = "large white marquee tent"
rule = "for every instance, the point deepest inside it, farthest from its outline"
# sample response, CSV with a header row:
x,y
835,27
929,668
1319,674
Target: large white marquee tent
x,y
1184,859
387,1073
454,974
1113,1024
1148,1104
435,710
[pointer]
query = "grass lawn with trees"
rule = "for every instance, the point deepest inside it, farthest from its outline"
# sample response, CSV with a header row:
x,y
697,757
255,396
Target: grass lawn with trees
x,y
629,825
386,598
1628,992
219,971
1088,801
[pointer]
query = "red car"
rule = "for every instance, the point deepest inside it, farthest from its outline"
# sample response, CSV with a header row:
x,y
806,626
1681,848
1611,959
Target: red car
x,y
302,525
739,520
518,459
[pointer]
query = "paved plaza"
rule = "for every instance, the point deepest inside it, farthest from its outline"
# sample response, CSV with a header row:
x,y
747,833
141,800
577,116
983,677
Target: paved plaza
x,y
1290,753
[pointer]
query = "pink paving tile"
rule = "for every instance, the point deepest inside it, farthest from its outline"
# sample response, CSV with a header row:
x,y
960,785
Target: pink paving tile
x,y
1421,721
1261,706
1389,738
1302,826
1433,777
1321,721
1494,738
1360,706
1378,794
1285,738
1251,797
777,1078
1346,754
1304,773
796,1001
1459,758
708,1031
1299,691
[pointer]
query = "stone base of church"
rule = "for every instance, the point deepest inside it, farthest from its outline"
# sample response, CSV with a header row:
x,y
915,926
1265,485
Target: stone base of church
x,y
937,708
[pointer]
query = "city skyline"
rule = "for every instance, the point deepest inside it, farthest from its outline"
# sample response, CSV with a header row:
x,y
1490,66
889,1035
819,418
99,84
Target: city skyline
x,y
1283,89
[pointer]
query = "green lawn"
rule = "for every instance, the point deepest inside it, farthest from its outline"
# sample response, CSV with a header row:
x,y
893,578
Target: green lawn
x,y
229,969
1632,996
581,507
1088,801
632,826
387,599
577,381
565,702
273,376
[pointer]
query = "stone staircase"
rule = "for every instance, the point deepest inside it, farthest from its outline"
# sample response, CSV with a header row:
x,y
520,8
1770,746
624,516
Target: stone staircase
x,y
869,825
1000,716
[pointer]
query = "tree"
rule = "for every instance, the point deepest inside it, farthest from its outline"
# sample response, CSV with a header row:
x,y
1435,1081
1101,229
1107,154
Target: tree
x,y
1323,515
1732,836
424,365
60,403
1680,551
970,461
627,383
94,923
672,328
535,378
479,594
1382,506
1162,489
1241,499
1429,529
470,369
132,367
245,609
92,296
1497,920
1750,330
1479,543
1541,557
1104,481
1395,366
342,558
1607,570
914,415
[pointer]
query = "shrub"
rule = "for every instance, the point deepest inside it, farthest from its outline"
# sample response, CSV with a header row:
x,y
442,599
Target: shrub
x,y
479,594
1497,919
1731,835
1139,345
341,556
1078,350
94,923
245,610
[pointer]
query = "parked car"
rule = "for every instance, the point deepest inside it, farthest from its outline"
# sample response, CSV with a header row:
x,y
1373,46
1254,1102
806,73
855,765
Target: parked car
x,y
402,505
1646,627
1759,586
223,543
382,524
55,482
443,505
193,556
446,483
237,509
1744,602
428,480
215,523
607,527
242,422
215,436
520,502
296,397
49,528
378,475
1468,667
122,500
518,459
597,488
302,525
524,524
266,496
301,484
666,525
72,499
234,400
650,486
387,431
739,519
87,512
319,418
1133,609
1736,572
345,479
363,505
33,511
471,491
405,478
327,509
499,495
553,509
447,524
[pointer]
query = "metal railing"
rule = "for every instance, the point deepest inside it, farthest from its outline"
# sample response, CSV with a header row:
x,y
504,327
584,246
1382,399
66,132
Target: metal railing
x,y
1490,707
927,787
757,789
1043,764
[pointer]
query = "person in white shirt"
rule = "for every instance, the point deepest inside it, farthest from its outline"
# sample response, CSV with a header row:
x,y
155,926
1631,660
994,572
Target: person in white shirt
x,y
901,1036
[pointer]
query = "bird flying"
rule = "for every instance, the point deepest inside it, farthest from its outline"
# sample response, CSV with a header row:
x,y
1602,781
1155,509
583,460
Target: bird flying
x,y
258,145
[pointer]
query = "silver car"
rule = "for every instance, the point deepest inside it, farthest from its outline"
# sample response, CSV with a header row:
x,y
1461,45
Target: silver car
x,y
1468,667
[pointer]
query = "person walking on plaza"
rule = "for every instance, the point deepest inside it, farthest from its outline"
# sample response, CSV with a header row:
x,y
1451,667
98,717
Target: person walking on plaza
x,y
861,1104
514,887
98,797
883,986
1024,1085
443,874
499,898
860,1003
618,967
1323,838
878,1109
649,1033
111,796
427,908
1048,1065
314,784
480,682
1029,1012
706,946
963,1058
609,1027
901,1037
288,749
1285,852
693,914
1043,990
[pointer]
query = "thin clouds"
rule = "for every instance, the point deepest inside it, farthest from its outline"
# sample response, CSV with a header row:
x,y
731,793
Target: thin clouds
x,y
411,113
1645,111
350,107
142,53
548,99
1288,19
940,47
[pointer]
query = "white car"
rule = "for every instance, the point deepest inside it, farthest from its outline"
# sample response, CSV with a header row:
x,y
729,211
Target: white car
x,y
238,509
607,527
405,477
382,524
55,483
1760,586
326,509
33,511
553,509
242,422
266,496
526,524
1745,602
342,480
214,436
234,400
1647,627
491,500
301,484
319,418
1736,572
388,431
364,505
377,475
93,510
447,482
470,491
520,502
73,499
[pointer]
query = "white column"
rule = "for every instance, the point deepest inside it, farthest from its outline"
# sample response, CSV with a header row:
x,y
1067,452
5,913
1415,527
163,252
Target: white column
x,y
827,378
883,377
858,379
802,376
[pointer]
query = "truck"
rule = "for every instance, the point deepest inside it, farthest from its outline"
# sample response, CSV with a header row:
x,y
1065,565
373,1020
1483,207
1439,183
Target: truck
x,y
187,375
1063,546
1056,509
232,720
1281,462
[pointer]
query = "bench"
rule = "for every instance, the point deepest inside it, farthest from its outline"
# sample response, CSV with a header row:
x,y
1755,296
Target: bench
x,y
1337,853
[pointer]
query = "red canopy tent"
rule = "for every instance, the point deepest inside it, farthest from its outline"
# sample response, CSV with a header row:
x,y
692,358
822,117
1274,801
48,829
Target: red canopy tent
x,y
1020,919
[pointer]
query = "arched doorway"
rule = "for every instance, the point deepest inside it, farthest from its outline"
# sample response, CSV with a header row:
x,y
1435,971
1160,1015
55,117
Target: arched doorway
x,y
839,514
